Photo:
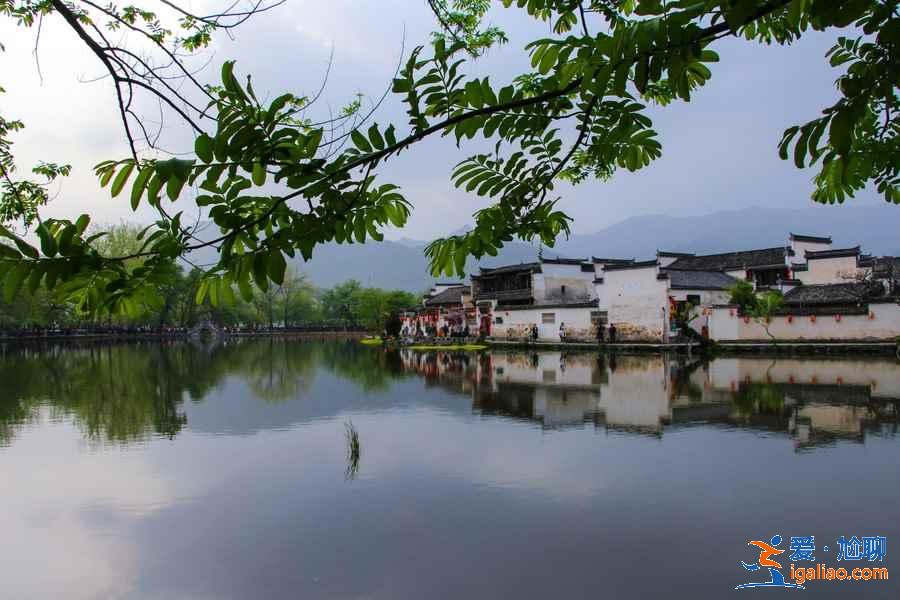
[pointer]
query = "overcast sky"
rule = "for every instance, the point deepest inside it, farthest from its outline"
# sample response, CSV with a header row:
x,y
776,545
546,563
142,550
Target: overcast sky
x,y
719,151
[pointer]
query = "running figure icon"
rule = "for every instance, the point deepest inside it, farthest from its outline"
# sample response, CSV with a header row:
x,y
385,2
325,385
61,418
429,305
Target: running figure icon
x,y
766,551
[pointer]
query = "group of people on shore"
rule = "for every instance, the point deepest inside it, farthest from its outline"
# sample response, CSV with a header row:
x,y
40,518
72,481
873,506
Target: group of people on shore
x,y
604,334
419,330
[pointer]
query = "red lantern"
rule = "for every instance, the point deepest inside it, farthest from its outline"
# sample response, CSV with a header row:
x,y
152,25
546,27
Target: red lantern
x,y
871,316
790,318
838,318
812,318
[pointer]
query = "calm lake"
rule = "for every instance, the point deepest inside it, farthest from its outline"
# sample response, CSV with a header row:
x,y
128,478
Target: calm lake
x,y
184,471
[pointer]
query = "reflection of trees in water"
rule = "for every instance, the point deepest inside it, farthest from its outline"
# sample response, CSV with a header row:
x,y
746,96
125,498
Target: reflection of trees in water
x,y
373,369
277,370
759,399
125,392
130,391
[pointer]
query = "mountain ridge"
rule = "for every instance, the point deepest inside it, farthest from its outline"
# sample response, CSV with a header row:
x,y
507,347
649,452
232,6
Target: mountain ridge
x,y
402,264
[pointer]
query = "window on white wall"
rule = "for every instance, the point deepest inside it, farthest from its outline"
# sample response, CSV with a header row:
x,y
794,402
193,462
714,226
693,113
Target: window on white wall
x,y
548,318
599,317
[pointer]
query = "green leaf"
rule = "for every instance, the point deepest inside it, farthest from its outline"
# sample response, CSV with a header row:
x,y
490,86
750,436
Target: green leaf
x,y
140,184
259,174
8,252
245,289
548,60
840,131
260,271
25,249
34,278
375,137
360,141
276,266
81,224
48,243
173,187
13,281
203,147
201,291
121,178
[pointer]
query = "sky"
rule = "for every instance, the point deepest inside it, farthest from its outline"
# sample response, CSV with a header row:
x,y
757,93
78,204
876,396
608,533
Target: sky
x,y
719,150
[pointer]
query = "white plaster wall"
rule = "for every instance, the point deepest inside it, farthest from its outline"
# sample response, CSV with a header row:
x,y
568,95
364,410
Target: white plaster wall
x,y
517,323
830,270
708,298
548,284
883,323
665,261
637,303
800,248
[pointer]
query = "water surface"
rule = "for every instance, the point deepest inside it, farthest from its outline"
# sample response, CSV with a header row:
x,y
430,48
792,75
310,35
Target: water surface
x,y
186,471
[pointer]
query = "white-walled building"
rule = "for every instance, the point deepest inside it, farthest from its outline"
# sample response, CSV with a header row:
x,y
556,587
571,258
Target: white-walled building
x,y
553,294
570,298
638,298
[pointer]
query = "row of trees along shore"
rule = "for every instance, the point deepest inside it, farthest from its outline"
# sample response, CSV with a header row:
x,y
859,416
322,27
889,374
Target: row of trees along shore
x,y
295,303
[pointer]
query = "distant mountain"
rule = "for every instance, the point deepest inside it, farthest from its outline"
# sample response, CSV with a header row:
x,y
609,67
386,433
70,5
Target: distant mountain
x,y
402,264
875,228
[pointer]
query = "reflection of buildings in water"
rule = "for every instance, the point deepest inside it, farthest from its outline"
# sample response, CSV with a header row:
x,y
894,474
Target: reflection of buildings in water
x,y
814,401
822,400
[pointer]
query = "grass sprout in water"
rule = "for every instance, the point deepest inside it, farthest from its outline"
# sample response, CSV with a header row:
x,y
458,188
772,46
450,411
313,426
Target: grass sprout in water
x,y
353,450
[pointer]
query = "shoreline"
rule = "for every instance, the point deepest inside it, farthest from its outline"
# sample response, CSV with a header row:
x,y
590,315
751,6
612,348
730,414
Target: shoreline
x,y
795,347
786,348
150,336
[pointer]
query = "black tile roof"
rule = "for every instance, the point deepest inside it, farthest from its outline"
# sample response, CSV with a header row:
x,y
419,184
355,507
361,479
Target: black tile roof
x,y
631,265
733,261
674,254
563,261
581,304
699,280
532,267
836,253
816,239
834,293
449,296
611,261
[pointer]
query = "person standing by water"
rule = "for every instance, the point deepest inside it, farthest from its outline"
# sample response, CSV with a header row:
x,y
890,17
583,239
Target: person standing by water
x,y
599,333
534,332
612,333
562,332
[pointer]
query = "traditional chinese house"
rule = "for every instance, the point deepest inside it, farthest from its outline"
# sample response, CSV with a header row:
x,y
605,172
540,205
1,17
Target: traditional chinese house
x,y
552,294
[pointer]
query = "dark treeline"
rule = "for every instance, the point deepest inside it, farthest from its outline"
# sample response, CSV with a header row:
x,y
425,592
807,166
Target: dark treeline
x,y
296,305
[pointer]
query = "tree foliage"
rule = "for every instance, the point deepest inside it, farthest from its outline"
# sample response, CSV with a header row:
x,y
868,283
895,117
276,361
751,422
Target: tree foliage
x,y
277,183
